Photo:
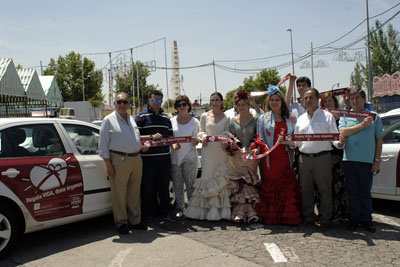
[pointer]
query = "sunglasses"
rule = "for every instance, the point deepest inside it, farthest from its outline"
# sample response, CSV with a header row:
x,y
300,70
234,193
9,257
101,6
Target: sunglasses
x,y
181,105
159,101
125,102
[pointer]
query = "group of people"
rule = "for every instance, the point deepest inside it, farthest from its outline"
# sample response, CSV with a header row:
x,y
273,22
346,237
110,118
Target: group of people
x,y
250,172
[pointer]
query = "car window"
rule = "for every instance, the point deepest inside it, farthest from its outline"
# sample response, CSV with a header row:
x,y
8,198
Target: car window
x,y
30,141
392,135
389,121
85,139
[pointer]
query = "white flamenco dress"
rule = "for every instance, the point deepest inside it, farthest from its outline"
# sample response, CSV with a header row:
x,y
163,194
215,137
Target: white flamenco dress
x,y
210,198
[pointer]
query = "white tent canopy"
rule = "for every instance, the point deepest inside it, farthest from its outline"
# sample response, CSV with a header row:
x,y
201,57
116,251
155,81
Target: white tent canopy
x,y
31,83
51,90
10,83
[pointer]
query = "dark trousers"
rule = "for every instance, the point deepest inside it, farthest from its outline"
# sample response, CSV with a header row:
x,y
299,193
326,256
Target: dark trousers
x,y
318,171
359,183
155,186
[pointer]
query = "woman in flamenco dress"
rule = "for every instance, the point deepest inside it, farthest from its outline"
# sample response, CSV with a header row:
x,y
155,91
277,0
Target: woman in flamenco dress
x,y
210,197
280,196
243,177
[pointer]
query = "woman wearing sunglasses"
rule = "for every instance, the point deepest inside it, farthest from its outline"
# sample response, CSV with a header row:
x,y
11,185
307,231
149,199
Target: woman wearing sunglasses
x,y
184,155
210,197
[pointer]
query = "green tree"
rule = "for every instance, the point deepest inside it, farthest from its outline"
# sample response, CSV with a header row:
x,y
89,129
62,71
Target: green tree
x,y
68,73
260,82
124,83
385,55
356,77
168,103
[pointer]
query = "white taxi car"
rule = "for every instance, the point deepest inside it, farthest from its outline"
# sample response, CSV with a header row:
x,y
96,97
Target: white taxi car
x,y
386,184
50,174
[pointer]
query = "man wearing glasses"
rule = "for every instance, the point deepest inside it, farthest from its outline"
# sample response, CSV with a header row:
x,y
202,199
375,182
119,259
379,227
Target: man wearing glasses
x,y
119,147
154,124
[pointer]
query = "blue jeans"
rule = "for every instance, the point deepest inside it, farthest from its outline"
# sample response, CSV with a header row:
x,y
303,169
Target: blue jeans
x,y
358,184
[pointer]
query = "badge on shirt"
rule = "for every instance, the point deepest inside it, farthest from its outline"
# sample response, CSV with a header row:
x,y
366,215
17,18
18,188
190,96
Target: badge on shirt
x,y
268,133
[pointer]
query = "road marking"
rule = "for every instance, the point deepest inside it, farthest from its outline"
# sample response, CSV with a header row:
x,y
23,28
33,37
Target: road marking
x,y
290,254
386,220
119,258
275,252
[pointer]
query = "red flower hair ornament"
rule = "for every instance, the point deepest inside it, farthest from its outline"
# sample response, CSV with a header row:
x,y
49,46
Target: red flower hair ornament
x,y
241,94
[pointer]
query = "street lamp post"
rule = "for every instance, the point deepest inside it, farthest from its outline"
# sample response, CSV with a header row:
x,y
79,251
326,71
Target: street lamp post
x,y
291,45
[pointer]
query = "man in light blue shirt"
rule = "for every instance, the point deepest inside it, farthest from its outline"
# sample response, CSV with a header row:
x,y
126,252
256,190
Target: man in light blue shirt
x,y
119,147
361,158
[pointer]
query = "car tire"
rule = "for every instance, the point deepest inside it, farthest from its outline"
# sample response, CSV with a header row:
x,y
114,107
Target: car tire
x,y
10,230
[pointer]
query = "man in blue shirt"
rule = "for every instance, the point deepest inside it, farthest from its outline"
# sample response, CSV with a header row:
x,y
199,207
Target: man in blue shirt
x,y
361,158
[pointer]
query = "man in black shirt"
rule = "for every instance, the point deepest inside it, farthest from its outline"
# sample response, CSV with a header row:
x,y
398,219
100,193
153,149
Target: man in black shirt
x,y
154,124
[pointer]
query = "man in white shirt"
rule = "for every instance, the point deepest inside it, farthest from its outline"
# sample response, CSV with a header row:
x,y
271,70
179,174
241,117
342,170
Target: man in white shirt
x,y
315,162
255,111
120,148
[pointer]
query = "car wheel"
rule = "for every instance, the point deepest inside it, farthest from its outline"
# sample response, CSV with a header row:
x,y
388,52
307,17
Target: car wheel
x,y
10,230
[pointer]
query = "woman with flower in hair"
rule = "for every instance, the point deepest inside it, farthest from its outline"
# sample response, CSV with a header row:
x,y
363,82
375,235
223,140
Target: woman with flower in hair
x,y
244,195
280,191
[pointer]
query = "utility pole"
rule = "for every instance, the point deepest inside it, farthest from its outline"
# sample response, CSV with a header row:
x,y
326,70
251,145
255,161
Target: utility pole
x,y
369,59
110,89
215,77
312,67
133,84
137,84
291,45
166,70
83,81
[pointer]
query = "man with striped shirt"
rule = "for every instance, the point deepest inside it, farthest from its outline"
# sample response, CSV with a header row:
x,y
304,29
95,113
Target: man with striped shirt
x,y
154,124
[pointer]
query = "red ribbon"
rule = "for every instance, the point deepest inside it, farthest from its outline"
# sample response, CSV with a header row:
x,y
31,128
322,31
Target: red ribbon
x,y
259,156
350,113
284,79
340,91
214,138
167,141
269,151
312,137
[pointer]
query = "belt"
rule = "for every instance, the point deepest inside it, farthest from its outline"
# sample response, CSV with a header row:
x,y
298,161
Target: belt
x,y
314,155
125,154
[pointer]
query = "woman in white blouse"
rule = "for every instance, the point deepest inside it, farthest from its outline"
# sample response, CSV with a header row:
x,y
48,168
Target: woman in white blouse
x,y
184,157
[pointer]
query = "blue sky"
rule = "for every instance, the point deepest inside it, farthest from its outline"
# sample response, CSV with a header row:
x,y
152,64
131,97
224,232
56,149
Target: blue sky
x,y
34,31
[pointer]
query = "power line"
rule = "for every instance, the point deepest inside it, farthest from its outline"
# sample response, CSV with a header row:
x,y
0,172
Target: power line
x,y
357,27
122,50
254,59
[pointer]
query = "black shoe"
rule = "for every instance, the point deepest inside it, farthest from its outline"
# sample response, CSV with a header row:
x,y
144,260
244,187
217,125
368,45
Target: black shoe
x,y
325,225
369,227
139,226
170,216
123,229
307,223
148,221
352,226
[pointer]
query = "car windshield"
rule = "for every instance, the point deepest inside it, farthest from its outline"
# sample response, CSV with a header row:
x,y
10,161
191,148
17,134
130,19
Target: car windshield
x,y
389,121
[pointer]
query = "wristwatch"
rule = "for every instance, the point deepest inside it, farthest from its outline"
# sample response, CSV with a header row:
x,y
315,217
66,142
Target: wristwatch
x,y
151,137
378,160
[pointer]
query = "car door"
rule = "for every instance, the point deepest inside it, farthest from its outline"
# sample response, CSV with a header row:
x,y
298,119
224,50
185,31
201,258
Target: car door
x,y
35,166
97,190
387,181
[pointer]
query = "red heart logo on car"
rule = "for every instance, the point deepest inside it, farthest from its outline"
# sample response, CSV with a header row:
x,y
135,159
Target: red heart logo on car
x,y
49,176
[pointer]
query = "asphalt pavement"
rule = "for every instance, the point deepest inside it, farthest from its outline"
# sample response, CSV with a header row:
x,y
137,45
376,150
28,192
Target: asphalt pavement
x,y
202,243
